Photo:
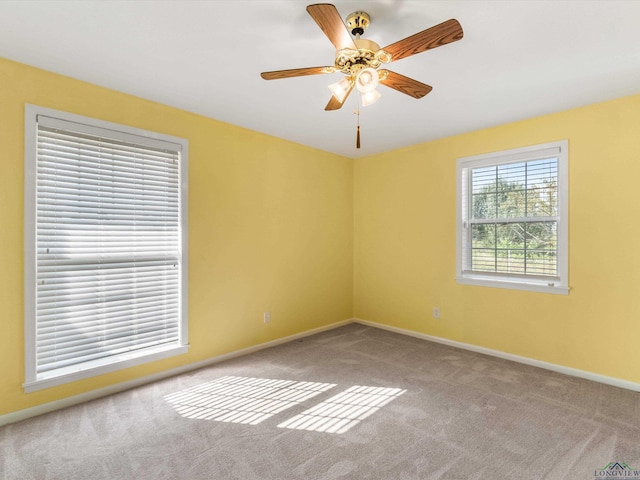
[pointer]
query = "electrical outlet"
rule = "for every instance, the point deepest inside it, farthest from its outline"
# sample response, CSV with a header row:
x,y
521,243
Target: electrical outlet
x,y
436,312
266,317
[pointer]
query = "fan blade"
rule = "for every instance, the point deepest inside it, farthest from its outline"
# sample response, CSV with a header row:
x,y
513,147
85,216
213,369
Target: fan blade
x,y
446,32
335,104
406,85
328,19
296,72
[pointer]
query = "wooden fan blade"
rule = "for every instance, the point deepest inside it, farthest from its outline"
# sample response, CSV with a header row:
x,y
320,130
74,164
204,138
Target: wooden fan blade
x,y
328,19
296,72
406,85
446,32
335,104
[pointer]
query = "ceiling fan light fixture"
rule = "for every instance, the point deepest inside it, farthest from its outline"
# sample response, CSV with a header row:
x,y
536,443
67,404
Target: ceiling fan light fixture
x,y
370,98
367,80
359,59
341,89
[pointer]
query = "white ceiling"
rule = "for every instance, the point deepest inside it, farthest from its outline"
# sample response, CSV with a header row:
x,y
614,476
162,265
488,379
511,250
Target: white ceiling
x,y
518,59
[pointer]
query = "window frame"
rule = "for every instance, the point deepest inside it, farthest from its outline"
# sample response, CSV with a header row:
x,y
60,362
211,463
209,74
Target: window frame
x,y
464,275
36,381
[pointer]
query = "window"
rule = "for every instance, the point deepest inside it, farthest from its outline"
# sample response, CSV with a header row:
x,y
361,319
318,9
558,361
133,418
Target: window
x,y
512,219
105,247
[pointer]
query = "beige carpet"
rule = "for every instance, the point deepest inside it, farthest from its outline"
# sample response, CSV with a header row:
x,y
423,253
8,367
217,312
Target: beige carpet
x,y
352,403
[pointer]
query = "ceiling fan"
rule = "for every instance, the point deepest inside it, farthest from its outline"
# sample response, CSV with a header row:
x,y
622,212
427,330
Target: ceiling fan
x,y
359,59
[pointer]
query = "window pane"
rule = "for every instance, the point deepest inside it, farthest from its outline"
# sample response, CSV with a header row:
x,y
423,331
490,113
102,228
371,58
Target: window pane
x,y
515,173
511,236
484,205
511,244
541,171
483,253
482,179
510,261
483,235
541,236
542,200
541,262
483,260
512,200
511,190
542,187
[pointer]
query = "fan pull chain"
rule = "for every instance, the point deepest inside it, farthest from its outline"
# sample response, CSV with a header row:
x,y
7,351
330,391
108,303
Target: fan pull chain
x,y
357,112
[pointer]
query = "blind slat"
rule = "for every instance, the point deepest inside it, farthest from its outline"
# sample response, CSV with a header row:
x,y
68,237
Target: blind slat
x,y
56,321
79,358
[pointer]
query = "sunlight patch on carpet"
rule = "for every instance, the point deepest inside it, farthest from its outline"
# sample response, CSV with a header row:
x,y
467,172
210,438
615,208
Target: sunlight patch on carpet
x,y
343,411
242,399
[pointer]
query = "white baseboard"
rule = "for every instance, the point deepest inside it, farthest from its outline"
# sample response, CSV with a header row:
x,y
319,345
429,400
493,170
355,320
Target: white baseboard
x,y
119,387
574,372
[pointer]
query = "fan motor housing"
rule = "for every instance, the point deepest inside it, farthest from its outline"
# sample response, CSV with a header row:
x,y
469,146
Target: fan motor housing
x,y
368,54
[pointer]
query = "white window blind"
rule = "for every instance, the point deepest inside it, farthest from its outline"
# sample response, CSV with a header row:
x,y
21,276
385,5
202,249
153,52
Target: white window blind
x,y
512,212
109,259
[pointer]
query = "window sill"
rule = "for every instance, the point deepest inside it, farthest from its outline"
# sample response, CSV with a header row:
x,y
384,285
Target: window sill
x,y
512,284
101,366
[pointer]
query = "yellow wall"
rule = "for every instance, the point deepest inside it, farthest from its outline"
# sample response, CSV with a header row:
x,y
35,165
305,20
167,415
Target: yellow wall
x,y
270,228
315,237
405,245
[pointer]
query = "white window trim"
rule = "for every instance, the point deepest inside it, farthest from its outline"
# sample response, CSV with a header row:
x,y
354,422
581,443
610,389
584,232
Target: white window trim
x,y
33,381
559,285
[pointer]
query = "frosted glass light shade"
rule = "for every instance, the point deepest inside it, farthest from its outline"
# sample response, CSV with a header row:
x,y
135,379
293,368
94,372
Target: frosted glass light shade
x,y
367,80
370,98
340,89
